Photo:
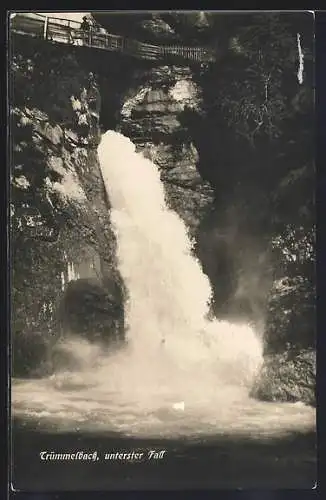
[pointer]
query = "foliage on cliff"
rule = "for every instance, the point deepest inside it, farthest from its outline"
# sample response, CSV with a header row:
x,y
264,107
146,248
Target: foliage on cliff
x,y
160,27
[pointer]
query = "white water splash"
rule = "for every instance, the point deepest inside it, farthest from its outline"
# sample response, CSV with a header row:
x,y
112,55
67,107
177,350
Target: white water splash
x,y
301,60
180,374
169,293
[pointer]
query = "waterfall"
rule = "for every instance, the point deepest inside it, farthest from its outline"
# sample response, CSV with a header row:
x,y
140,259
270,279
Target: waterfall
x,y
179,374
169,294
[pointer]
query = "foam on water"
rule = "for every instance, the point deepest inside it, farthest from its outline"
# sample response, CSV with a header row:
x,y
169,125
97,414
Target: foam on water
x,y
180,373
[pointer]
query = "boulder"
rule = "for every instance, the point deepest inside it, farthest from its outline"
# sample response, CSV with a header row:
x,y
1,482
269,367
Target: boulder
x,y
289,376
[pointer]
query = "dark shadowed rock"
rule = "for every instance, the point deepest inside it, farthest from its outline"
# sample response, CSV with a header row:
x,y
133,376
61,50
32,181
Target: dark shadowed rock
x,y
166,27
288,377
56,173
94,310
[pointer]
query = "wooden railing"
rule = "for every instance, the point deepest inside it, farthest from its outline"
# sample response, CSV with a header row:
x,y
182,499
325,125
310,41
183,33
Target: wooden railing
x,y
67,31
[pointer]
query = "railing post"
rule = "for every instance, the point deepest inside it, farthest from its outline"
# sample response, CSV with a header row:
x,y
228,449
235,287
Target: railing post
x,y
45,30
69,37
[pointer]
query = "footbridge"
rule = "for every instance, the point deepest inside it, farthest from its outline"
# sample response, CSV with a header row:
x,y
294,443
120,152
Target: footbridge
x,y
67,31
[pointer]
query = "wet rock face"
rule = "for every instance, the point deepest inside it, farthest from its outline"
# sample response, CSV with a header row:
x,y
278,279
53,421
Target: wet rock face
x,y
93,310
288,377
152,116
57,179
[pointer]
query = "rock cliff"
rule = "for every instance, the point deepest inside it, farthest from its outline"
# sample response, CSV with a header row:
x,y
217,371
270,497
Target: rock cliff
x,y
63,247
60,212
160,27
62,241
152,116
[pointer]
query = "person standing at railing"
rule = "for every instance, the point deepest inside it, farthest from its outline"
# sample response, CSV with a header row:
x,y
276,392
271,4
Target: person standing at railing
x,y
87,27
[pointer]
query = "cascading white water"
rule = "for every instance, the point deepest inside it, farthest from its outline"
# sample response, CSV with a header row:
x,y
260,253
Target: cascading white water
x,y
180,373
168,292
